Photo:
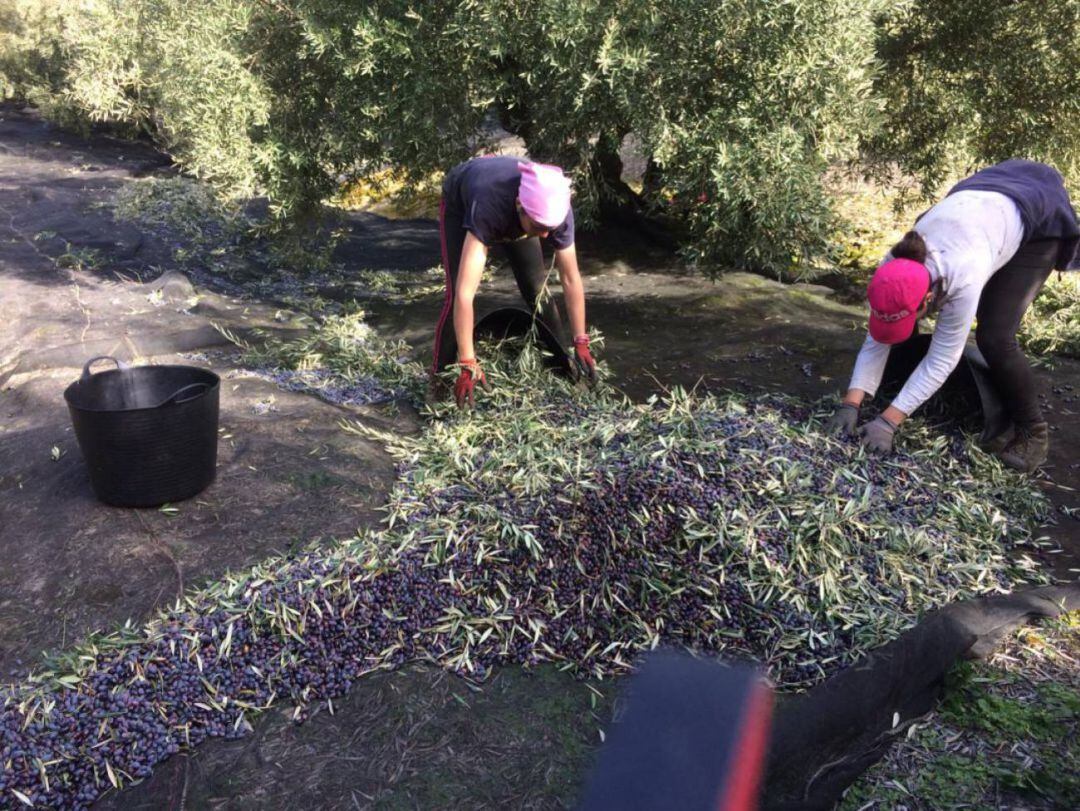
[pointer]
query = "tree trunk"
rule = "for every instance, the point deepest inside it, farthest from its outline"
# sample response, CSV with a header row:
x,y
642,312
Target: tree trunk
x,y
621,204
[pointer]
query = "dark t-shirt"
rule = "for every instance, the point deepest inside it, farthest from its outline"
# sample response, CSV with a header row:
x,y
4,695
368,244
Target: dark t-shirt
x,y
484,191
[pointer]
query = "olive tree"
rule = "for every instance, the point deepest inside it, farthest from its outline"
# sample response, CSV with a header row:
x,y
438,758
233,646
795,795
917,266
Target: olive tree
x,y
739,107
971,82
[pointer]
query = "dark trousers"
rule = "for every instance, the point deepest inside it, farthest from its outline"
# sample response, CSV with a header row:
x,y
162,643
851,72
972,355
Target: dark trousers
x,y
526,258
1002,305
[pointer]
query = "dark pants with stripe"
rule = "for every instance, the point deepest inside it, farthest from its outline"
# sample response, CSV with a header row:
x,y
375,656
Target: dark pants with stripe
x,y
1002,305
526,257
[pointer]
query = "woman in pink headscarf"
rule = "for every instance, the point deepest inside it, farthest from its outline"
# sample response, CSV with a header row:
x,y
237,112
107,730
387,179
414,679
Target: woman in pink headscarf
x,y
513,203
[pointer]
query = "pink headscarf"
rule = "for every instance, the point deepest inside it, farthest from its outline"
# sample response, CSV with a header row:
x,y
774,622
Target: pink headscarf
x,y
544,193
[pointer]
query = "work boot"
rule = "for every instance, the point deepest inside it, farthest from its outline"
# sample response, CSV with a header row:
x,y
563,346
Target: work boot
x,y
999,441
1028,449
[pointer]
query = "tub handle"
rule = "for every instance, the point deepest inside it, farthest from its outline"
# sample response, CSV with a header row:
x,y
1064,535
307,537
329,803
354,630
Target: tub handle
x,y
175,397
86,374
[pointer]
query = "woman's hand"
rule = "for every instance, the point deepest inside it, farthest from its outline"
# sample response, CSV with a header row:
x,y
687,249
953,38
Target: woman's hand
x,y
465,386
877,435
843,420
583,358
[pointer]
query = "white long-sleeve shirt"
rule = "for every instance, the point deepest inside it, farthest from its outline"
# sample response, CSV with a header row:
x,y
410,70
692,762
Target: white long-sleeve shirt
x,y
969,236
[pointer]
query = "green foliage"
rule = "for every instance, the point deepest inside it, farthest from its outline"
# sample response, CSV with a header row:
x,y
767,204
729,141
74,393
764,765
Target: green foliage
x,y
346,347
970,704
740,105
179,204
740,108
974,82
873,214
1006,734
34,55
745,103
181,71
360,87
79,258
195,92
1052,324
743,106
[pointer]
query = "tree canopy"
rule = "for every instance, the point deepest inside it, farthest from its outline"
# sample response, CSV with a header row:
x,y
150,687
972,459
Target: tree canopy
x,y
738,109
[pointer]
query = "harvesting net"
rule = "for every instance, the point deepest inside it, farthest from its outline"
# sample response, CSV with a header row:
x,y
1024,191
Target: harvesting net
x,y
549,524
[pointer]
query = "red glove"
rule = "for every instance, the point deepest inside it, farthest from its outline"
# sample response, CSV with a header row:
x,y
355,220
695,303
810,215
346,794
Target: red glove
x,y
585,363
471,374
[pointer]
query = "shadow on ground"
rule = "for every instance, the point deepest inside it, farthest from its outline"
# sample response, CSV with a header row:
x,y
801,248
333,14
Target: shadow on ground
x,y
417,738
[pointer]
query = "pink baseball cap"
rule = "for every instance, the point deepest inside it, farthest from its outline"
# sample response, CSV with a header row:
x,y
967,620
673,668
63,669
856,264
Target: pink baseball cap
x,y
895,293
544,193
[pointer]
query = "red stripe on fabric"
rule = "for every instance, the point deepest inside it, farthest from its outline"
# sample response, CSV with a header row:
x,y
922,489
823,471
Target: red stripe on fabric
x,y
449,286
744,776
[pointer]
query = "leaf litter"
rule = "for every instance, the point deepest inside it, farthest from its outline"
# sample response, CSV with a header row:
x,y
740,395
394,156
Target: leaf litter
x,y
549,524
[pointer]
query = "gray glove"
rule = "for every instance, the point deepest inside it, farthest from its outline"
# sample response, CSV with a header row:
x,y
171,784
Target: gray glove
x,y
877,435
843,421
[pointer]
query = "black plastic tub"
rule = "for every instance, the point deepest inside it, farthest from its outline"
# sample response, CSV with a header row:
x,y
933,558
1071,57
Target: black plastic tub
x,y
514,322
148,433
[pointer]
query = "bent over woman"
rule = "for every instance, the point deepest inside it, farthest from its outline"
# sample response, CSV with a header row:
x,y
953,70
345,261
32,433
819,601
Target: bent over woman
x,y
980,255
514,204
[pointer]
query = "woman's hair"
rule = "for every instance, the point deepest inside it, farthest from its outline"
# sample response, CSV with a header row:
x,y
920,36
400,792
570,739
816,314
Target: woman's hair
x,y
911,246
